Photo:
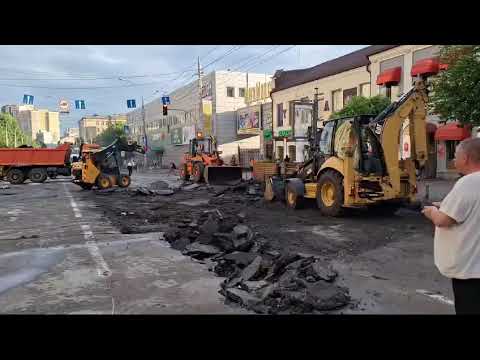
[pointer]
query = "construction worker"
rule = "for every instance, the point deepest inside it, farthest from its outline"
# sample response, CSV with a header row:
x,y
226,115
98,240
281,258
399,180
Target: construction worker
x,y
130,167
172,168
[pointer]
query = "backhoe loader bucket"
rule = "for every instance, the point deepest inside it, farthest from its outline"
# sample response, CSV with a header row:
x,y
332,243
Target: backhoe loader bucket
x,y
222,175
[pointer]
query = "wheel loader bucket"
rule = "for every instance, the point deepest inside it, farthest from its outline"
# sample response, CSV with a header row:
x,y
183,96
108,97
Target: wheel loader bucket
x,y
223,175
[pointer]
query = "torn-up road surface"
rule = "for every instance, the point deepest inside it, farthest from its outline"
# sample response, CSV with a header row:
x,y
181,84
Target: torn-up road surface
x,y
59,255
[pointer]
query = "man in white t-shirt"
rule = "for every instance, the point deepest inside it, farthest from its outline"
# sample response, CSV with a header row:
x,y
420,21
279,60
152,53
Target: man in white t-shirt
x,y
457,230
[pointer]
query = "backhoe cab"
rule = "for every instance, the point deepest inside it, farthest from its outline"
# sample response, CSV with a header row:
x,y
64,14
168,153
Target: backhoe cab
x,y
100,167
203,163
355,161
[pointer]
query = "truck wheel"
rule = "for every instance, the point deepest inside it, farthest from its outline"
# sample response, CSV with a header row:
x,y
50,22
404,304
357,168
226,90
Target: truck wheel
x,y
124,181
38,175
198,172
184,174
293,200
330,194
16,176
104,182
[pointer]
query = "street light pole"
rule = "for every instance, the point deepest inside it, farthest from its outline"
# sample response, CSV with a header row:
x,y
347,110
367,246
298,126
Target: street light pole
x,y
144,134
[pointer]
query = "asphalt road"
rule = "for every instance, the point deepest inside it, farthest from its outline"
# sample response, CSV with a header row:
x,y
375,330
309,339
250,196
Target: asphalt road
x,y
58,257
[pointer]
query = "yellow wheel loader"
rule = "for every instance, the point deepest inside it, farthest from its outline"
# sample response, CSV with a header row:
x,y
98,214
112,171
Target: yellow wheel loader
x,y
100,167
355,161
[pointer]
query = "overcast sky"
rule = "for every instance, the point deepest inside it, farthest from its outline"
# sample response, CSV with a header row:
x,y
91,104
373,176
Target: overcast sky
x,y
92,73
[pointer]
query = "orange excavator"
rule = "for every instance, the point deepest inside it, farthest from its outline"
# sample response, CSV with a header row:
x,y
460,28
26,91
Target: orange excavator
x,y
203,162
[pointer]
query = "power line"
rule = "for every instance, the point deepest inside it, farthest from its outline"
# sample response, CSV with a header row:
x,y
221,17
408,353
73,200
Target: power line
x,y
230,51
92,77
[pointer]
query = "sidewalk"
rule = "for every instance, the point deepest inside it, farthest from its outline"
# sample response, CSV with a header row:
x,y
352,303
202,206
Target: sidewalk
x,y
434,189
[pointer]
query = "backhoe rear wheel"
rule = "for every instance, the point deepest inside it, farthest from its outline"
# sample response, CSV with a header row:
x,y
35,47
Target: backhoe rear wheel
x,y
198,172
104,182
330,193
38,175
124,181
293,199
15,176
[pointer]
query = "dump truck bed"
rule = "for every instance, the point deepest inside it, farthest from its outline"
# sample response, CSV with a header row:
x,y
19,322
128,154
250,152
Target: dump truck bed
x,y
19,157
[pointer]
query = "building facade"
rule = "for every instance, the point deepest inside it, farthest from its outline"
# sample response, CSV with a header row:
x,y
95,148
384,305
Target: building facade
x,y
41,124
71,135
222,94
337,81
92,126
10,109
388,70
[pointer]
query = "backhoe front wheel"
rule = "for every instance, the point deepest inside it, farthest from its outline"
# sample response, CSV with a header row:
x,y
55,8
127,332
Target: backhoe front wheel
x,y
293,199
104,182
330,193
124,181
198,172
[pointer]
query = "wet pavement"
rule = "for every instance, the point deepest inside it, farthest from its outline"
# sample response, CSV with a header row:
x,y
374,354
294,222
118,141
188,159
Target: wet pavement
x,y
59,254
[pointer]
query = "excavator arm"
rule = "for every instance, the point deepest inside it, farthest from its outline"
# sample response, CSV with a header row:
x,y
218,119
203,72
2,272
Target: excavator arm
x,y
387,126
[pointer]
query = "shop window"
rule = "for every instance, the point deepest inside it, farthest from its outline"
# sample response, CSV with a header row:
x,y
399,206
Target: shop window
x,y
348,95
386,91
336,100
326,138
292,153
280,152
280,114
451,146
365,90
241,92
230,91
269,151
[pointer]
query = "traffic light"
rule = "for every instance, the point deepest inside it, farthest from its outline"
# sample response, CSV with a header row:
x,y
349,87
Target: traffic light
x,y
165,110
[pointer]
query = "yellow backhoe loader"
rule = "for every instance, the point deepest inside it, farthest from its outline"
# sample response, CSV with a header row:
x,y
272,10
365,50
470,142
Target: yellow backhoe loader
x,y
100,167
355,161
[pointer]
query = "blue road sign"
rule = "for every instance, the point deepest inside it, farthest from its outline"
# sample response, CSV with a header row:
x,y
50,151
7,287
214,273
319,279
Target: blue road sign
x,y
80,104
28,99
166,100
131,103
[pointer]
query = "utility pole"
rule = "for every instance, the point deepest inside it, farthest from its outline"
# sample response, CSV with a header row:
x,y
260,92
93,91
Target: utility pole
x,y
199,93
144,134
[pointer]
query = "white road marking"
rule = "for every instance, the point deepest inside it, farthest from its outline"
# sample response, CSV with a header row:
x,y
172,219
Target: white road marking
x,y
102,266
437,297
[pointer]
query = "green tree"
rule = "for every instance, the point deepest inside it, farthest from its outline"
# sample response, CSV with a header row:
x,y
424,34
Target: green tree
x,y
361,105
111,133
10,133
456,91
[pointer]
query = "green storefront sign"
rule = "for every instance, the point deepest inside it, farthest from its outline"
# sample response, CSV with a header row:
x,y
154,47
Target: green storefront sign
x,y
177,136
285,133
267,134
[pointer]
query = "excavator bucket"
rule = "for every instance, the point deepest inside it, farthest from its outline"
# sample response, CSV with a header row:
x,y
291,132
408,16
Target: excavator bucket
x,y
223,175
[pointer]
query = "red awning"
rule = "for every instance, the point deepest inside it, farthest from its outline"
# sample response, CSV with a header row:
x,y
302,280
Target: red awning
x,y
452,131
390,76
443,67
425,66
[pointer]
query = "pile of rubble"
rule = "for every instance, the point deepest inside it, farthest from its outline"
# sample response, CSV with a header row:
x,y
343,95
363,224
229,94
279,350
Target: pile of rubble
x,y
261,280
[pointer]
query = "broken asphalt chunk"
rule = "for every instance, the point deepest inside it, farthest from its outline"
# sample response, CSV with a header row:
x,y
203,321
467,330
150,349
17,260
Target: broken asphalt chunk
x,y
200,251
190,187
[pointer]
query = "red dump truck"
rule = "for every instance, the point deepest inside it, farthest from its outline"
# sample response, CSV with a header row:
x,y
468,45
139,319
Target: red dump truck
x,y
20,164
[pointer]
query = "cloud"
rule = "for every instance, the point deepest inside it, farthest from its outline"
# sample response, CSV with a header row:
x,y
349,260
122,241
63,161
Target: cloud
x,y
54,67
